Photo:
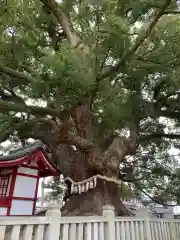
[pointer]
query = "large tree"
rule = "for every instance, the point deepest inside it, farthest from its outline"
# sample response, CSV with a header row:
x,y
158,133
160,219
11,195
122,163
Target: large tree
x,y
98,82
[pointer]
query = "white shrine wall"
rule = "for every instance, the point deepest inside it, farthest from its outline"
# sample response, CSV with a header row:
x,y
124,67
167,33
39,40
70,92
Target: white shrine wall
x,y
28,171
21,207
3,211
25,190
25,187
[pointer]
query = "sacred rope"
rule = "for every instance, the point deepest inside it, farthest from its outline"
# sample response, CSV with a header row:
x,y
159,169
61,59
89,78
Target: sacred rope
x,y
89,183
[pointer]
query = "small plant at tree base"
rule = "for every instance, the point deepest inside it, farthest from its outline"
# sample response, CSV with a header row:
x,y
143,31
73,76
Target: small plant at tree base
x,y
58,189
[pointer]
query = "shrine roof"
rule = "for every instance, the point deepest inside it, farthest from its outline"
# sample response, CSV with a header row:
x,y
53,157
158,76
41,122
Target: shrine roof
x,y
23,151
33,152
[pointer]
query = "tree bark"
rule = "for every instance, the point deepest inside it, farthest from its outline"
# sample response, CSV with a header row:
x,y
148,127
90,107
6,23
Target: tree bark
x,y
91,203
77,165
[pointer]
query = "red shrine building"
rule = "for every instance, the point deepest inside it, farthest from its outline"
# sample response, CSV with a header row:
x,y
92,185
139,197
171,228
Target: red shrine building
x,y
20,172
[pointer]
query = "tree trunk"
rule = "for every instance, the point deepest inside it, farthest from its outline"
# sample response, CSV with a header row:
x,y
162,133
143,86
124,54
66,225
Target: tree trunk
x,y
77,165
91,202
86,160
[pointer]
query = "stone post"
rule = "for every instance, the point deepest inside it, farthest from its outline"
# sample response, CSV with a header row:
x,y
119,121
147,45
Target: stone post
x,y
108,213
54,215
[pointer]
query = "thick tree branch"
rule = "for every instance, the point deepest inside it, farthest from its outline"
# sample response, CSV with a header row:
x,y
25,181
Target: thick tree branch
x,y
118,149
38,129
159,135
64,21
21,78
42,111
172,12
10,96
9,130
169,114
69,161
139,41
51,28
79,142
154,111
133,140
81,115
26,129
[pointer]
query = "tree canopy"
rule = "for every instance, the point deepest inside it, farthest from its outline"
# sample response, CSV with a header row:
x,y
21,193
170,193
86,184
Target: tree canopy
x,y
101,75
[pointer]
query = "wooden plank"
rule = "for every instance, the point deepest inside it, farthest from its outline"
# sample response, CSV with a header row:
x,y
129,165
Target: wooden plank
x,y
46,232
89,231
177,227
95,231
72,231
65,231
147,228
156,231
14,235
117,231
132,227
152,230
39,232
27,233
169,231
101,231
2,232
141,230
128,231
80,231
137,233
161,230
122,231
164,236
166,225
178,230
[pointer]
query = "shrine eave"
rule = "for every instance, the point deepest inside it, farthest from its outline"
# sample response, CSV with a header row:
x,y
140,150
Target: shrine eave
x,y
22,152
25,154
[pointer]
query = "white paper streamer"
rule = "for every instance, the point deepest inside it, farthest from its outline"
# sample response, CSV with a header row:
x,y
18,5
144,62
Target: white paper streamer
x,y
79,189
91,185
87,186
83,188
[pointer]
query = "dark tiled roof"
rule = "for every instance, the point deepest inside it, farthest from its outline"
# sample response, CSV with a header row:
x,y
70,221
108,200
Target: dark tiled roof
x,y
22,152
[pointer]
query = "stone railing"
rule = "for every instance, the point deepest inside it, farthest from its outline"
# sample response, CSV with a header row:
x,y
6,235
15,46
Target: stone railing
x,y
106,227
